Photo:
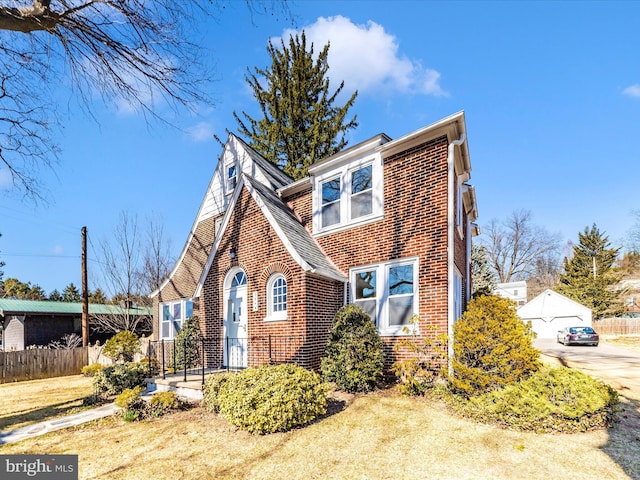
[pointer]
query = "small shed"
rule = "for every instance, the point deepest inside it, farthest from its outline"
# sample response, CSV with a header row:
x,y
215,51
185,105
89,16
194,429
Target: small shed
x,y
551,311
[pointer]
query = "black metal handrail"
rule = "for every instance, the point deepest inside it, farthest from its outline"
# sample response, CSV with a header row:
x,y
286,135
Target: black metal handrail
x,y
190,356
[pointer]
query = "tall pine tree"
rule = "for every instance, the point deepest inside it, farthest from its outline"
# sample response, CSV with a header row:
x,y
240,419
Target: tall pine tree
x,y
590,277
300,123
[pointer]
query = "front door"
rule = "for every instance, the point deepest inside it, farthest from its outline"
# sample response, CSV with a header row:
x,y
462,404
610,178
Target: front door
x,y
236,334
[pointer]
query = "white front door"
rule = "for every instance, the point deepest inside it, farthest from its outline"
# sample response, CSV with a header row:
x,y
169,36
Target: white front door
x,y
236,331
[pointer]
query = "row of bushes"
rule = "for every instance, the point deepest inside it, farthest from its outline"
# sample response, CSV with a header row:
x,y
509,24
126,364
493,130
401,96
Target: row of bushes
x,y
496,376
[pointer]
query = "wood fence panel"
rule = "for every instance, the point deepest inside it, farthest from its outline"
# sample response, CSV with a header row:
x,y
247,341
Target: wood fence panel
x,y
617,326
41,363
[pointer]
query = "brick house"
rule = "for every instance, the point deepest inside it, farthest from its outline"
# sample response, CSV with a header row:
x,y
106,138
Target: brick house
x,y
385,224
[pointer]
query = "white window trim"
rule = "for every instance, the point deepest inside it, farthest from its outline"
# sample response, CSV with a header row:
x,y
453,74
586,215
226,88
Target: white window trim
x,y
271,315
382,294
344,173
183,314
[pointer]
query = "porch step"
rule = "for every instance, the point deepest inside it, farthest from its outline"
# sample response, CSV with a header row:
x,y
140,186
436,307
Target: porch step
x,y
190,390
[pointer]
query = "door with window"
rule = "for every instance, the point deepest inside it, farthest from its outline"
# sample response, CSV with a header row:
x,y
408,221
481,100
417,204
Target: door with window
x,y
235,320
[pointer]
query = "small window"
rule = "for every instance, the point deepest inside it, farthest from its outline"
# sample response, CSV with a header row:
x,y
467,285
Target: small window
x,y
173,316
232,175
277,298
400,294
366,292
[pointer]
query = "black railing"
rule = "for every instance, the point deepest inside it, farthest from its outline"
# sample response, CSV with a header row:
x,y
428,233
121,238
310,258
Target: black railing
x,y
196,357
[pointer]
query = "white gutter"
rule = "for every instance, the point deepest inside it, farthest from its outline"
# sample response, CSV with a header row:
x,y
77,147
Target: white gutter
x,y
450,243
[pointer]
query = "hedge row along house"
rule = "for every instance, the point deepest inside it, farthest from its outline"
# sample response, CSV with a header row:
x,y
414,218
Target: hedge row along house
x,y
385,224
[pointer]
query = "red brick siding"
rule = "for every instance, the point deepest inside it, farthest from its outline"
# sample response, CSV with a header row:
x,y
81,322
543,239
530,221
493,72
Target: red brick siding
x,y
260,253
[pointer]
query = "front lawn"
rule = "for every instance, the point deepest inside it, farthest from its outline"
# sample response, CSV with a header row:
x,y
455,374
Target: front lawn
x,y
378,435
23,403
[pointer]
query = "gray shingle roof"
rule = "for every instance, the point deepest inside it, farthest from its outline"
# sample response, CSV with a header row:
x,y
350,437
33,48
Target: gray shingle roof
x,y
299,238
276,176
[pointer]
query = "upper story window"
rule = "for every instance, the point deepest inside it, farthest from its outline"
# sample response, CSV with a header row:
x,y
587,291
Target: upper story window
x,y
388,293
348,196
277,297
172,317
232,176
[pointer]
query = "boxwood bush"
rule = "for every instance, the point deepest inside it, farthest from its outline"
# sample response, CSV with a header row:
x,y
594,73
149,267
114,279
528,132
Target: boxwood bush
x,y
551,400
354,358
269,398
211,389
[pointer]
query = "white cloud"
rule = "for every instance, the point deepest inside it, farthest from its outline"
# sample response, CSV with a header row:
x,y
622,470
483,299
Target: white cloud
x,y
632,91
367,58
57,250
6,181
200,132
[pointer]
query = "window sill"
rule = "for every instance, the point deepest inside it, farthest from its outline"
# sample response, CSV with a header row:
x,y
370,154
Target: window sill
x,y
275,318
346,226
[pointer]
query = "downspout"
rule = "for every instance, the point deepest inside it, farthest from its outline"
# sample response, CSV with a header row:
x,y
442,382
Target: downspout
x,y
450,245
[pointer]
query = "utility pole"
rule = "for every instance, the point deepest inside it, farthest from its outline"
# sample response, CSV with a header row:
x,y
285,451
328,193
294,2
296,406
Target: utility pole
x,y
85,291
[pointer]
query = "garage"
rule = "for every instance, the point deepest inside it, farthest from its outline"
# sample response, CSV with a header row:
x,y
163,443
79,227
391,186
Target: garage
x,y
550,312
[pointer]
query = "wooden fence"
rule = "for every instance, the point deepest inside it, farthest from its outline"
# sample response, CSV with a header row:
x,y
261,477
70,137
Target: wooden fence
x,y
41,363
617,326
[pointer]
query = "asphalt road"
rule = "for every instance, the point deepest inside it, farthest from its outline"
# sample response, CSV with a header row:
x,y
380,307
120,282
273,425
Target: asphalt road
x,y
616,366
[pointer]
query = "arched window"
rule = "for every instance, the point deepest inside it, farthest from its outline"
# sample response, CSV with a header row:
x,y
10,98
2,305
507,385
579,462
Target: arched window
x,y
277,297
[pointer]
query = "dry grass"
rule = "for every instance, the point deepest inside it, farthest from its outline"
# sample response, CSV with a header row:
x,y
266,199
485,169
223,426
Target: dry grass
x,y
23,403
380,435
631,342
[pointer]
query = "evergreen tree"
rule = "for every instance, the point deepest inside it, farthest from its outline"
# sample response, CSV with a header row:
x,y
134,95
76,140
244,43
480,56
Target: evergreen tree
x,y
301,125
71,294
55,296
14,288
590,276
98,296
483,279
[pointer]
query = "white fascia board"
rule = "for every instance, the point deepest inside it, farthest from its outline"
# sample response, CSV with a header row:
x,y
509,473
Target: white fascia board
x,y
216,244
194,226
367,147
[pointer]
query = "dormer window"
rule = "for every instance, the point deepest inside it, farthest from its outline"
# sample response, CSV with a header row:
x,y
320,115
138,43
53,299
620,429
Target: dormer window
x,y
348,196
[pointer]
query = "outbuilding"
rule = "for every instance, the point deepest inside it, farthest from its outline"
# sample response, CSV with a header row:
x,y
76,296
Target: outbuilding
x,y
551,311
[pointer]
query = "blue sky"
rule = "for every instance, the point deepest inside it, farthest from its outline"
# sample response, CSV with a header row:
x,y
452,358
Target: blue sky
x,y
551,93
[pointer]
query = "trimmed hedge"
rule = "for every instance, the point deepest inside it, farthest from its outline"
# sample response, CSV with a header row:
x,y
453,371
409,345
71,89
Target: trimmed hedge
x,y
551,400
114,379
268,398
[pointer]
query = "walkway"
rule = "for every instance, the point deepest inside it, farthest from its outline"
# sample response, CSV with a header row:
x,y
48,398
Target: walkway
x,y
52,425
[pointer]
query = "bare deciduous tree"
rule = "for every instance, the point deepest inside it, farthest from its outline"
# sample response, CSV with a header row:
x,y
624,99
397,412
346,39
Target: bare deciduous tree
x,y
515,245
138,51
157,261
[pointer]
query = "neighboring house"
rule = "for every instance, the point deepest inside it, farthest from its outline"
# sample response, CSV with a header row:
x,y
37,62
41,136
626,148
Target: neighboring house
x,y
24,323
551,311
516,291
385,224
631,288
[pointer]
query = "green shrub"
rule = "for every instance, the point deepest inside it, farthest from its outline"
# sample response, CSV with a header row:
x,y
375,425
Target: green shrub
x,y
551,400
114,379
92,370
151,364
163,402
270,398
492,347
187,343
354,358
211,389
122,346
132,405
426,362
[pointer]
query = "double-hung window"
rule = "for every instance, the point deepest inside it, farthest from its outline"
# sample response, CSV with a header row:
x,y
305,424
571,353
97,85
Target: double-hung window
x,y
388,293
277,297
349,195
173,316
232,177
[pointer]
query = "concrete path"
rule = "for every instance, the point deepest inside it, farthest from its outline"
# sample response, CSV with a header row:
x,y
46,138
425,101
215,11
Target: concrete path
x,y
57,424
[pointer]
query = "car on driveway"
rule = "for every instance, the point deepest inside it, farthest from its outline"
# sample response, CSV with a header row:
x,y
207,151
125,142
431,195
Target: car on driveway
x,y
578,336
